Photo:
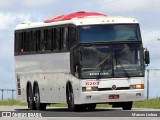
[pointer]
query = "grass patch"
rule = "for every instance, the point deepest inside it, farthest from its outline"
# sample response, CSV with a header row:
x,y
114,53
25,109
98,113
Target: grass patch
x,y
104,105
58,105
65,105
12,103
152,103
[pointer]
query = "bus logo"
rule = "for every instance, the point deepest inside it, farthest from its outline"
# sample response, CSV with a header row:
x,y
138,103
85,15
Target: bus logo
x,y
114,87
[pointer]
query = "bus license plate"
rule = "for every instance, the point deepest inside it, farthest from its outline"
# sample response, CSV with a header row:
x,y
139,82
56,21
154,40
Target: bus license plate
x,y
114,96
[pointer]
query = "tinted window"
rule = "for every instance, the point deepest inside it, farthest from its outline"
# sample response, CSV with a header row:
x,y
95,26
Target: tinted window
x,y
65,38
104,33
72,36
117,60
44,40
49,39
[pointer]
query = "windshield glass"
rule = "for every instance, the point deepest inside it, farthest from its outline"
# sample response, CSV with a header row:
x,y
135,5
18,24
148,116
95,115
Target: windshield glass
x,y
103,61
109,32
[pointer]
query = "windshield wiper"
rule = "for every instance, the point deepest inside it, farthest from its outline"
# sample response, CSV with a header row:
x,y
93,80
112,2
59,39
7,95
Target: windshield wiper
x,y
102,68
101,63
122,68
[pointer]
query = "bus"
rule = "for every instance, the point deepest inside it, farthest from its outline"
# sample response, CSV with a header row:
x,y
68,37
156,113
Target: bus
x,y
81,59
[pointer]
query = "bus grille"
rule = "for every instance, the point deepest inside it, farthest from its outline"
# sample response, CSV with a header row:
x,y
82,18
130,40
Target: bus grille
x,y
118,88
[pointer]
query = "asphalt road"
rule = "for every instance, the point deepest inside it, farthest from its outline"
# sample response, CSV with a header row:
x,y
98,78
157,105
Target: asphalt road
x,y
22,112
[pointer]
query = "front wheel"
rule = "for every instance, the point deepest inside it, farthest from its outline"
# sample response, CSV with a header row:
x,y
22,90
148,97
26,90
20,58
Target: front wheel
x,y
70,99
127,105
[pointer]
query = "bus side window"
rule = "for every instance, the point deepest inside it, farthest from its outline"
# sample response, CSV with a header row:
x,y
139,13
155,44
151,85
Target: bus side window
x,y
38,37
18,42
28,41
31,43
54,39
49,40
64,38
24,42
72,37
57,39
34,41
42,41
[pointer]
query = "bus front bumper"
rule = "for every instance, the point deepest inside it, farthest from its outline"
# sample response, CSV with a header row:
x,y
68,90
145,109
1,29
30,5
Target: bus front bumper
x,y
110,96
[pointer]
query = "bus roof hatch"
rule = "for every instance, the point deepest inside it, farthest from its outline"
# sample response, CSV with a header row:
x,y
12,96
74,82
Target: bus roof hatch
x,y
72,15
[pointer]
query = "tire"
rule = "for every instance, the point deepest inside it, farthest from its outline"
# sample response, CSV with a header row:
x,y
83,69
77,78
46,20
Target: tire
x,y
70,99
31,103
38,104
127,105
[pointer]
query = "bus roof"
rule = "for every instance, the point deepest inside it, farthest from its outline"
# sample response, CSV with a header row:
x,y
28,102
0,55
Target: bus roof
x,y
72,15
78,19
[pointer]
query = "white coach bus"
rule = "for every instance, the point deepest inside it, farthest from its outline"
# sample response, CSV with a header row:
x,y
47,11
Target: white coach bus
x,y
81,59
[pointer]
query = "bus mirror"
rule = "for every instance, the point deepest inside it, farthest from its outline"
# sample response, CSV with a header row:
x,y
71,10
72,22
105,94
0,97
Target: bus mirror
x,y
146,57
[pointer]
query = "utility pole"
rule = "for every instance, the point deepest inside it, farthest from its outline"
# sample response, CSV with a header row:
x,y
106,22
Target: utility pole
x,y
148,84
2,94
148,71
12,94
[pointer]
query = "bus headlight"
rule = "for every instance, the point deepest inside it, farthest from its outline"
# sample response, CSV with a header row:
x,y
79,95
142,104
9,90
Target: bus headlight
x,y
138,86
89,88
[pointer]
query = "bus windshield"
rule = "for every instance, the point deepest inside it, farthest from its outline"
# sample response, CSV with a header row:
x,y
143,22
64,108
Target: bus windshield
x,y
109,32
103,61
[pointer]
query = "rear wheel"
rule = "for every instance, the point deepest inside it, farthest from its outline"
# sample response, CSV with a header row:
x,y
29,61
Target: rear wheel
x,y
31,103
127,105
38,104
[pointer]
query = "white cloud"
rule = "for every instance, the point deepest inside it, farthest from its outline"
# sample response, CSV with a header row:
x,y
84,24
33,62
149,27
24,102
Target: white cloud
x,y
117,6
7,62
6,3
25,3
36,3
8,19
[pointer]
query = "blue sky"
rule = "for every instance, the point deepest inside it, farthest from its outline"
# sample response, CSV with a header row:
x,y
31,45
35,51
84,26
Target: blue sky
x,y
13,12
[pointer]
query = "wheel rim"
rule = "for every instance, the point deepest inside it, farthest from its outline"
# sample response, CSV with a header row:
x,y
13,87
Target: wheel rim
x,y
37,99
30,99
70,99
